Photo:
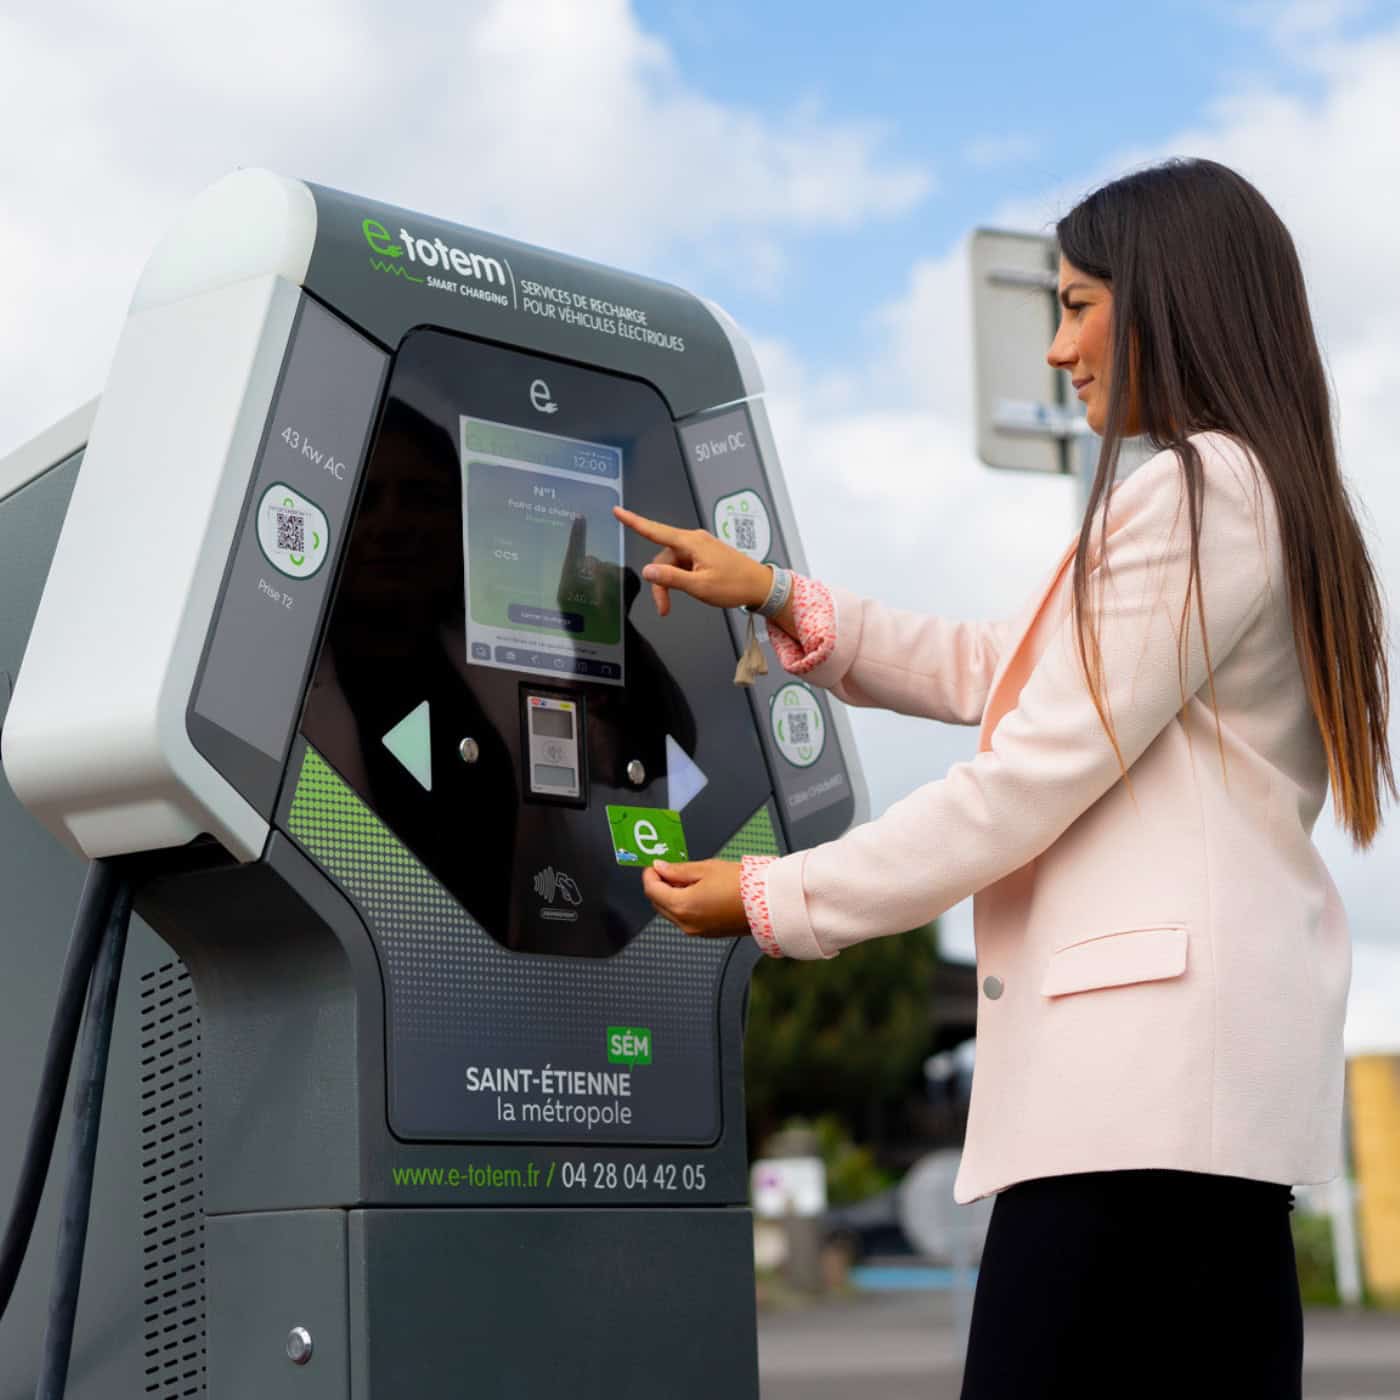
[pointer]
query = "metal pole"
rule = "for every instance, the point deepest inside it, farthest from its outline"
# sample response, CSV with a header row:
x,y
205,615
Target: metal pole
x,y
1341,1208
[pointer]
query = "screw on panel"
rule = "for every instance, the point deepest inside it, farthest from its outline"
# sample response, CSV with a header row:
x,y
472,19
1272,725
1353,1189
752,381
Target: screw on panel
x,y
470,750
636,774
299,1346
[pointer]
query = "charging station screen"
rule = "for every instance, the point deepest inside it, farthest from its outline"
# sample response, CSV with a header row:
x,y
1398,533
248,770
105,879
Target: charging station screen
x,y
542,551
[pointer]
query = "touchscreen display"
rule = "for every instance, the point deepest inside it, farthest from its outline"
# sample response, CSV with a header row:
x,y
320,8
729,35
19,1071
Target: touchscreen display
x,y
542,551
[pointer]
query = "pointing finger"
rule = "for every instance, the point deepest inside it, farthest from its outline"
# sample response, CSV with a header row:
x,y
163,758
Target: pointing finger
x,y
650,529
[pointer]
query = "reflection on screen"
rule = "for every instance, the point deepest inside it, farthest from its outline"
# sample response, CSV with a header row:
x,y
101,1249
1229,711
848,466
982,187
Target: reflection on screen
x,y
543,551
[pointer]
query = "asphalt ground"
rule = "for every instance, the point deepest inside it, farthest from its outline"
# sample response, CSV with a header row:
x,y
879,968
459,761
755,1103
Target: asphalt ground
x,y
904,1346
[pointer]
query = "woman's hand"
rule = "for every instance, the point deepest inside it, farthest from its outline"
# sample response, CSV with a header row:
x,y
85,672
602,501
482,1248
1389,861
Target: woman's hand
x,y
700,897
697,563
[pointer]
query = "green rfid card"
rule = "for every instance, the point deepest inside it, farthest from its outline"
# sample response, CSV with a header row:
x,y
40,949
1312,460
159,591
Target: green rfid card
x,y
641,835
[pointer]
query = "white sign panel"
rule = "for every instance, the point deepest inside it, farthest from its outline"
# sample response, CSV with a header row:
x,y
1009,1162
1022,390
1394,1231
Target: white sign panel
x,y
1027,415
781,1186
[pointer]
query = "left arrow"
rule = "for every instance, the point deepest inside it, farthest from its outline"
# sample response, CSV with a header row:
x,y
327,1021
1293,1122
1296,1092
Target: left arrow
x,y
410,741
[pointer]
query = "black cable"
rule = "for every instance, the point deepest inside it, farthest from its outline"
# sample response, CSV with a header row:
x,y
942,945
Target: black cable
x,y
94,908
82,1157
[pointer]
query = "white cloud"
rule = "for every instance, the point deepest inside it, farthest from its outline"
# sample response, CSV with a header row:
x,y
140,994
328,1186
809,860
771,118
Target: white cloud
x,y
560,122
1299,20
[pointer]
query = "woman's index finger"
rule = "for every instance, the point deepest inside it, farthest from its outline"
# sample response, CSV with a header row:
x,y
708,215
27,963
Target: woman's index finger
x,y
651,529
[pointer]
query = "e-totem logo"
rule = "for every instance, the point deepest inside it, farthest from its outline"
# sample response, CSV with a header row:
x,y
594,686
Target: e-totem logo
x,y
396,254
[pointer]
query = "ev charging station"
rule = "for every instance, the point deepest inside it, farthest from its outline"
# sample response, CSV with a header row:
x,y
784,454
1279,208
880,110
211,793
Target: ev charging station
x,y
321,629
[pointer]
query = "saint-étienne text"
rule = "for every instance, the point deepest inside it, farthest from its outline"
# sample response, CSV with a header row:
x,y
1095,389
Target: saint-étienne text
x,y
560,1090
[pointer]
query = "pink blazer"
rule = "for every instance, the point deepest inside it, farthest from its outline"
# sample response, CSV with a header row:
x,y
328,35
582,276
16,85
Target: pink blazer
x,y
1163,974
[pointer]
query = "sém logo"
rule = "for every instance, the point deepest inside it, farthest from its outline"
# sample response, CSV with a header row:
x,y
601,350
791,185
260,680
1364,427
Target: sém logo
x,y
431,254
629,1045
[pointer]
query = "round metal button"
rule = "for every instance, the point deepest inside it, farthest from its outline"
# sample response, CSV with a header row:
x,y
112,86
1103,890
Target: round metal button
x,y
299,1346
470,750
993,987
636,772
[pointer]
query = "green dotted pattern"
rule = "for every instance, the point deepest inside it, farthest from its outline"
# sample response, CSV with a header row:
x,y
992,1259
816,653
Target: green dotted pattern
x,y
457,996
331,820
755,838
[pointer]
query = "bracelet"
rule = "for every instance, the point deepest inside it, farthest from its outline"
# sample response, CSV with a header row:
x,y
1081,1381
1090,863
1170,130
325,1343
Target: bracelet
x,y
778,593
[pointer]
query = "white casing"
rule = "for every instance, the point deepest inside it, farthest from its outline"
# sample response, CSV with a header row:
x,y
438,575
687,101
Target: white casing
x,y
95,742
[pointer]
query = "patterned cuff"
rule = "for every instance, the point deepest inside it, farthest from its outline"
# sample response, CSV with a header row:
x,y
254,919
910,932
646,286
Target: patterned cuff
x,y
753,888
814,611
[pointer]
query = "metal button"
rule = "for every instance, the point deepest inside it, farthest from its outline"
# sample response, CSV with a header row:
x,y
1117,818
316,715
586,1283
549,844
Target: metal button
x,y
993,987
470,750
636,772
299,1346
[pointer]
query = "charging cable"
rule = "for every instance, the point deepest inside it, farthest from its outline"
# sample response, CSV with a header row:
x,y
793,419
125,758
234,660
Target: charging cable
x,y
82,1156
94,909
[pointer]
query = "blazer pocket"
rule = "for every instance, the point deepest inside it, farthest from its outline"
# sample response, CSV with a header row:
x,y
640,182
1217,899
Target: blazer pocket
x,y
1115,959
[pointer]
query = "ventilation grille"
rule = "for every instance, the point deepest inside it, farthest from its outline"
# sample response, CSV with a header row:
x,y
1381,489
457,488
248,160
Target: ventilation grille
x,y
172,1185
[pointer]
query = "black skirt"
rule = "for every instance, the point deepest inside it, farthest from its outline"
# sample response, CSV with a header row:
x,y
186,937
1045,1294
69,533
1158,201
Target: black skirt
x,y
1137,1285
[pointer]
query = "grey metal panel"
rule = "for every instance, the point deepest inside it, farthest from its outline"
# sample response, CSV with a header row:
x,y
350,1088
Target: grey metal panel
x,y
767,448
39,885
56,443
542,1304
724,461
744,356
327,397
787,518
122,1346
291,1068
1013,325
270,1273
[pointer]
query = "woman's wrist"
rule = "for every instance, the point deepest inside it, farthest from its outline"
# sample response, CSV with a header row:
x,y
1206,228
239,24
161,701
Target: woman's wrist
x,y
764,575
804,633
779,592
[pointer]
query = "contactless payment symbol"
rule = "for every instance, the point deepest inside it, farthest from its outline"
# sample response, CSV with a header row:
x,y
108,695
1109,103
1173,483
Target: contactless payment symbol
x,y
796,722
741,520
292,531
641,835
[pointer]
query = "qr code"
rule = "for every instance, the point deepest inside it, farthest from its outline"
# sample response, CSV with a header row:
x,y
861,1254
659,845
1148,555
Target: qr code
x,y
291,531
800,727
745,532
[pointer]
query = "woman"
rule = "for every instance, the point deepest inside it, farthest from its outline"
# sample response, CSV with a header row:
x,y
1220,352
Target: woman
x,y
1162,957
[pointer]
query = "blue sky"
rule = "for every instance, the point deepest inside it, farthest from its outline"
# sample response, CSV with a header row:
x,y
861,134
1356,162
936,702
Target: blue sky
x,y
816,168
985,100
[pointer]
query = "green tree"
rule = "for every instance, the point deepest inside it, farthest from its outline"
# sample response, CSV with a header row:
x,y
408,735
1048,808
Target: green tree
x,y
844,1036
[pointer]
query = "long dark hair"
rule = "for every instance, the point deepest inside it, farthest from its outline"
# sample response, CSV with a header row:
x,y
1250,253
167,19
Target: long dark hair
x,y
1211,325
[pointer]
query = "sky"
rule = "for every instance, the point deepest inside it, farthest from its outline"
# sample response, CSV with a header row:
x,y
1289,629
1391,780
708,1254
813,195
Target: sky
x,y
816,168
